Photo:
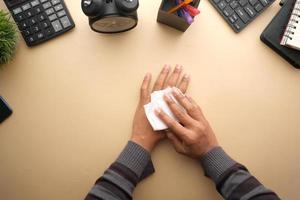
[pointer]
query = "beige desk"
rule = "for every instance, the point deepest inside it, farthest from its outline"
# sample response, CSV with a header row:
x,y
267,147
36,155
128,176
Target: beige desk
x,y
74,98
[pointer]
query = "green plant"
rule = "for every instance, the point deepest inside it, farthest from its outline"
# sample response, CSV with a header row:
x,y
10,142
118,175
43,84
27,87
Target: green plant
x,y
8,38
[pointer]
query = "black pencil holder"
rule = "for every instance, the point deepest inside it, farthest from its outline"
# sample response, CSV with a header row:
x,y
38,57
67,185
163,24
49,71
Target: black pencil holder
x,y
173,20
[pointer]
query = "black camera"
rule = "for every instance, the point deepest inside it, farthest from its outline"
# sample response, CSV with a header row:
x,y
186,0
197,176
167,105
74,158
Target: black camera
x,y
111,16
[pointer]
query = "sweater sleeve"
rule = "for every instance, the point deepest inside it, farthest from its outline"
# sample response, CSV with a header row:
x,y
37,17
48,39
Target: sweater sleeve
x,y
233,180
119,180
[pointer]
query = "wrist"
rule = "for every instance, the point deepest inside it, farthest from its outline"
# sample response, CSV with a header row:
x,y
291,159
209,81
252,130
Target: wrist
x,y
209,148
216,162
143,142
135,157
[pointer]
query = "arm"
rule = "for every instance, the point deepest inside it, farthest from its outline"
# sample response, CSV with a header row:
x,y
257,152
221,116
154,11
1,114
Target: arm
x,y
233,180
195,138
120,179
134,163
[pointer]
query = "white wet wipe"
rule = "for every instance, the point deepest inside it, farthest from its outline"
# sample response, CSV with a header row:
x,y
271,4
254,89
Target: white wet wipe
x,y
158,102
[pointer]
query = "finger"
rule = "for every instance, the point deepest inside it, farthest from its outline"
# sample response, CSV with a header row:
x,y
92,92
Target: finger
x,y
173,80
201,115
145,88
162,77
182,116
176,142
184,83
173,125
191,108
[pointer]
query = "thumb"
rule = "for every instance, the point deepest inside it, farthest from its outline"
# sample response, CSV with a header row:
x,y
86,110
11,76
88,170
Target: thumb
x,y
175,142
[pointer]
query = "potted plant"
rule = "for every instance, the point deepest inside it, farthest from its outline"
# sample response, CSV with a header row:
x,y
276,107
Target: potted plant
x,y
8,38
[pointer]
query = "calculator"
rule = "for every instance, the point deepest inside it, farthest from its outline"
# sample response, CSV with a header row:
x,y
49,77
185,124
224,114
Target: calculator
x,y
239,13
40,20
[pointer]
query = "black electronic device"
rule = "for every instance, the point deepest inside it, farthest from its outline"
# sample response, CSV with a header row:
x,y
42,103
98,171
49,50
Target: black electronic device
x,y
111,16
40,20
5,110
239,13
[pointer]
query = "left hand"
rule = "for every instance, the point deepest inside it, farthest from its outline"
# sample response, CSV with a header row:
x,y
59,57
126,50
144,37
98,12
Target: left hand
x,y
142,132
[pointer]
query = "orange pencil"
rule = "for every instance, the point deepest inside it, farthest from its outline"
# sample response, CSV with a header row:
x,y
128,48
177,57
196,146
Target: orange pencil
x,y
184,3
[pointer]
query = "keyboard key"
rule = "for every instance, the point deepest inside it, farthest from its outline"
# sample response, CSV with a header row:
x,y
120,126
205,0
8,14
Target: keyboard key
x,y
31,39
235,17
32,21
40,35
242,15
243,2
216,1
45,24
228,1
19,17
264,2
239,25
61,13
234,4
52,17
38,9
258,7
228,11
50,11
58,7
54,2
29,13
222,5
65,22
57,26
35,3
251,12
253,2
26,6
231,19
47,5
23,25
35,28
26,32
41,17
49,31
43,1
17,10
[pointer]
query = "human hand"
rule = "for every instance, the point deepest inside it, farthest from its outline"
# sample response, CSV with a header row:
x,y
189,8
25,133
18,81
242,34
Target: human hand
x,y
193,136
142,132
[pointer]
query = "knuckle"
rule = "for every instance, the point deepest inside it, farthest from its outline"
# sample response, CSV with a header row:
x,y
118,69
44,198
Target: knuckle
x,y
192,109
179,113
143,89
172,124
202,127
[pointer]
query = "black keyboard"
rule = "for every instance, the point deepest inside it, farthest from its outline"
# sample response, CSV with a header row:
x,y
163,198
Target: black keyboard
x,y
40,20
239,13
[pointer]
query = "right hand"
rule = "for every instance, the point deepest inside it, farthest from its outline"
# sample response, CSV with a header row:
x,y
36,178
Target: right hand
x,y
193,136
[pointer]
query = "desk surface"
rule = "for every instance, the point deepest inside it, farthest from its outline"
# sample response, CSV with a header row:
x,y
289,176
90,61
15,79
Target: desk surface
x,y
74,98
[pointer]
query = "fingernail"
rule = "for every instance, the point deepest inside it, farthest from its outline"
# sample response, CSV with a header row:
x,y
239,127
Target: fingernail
x,y
177,91
147,76
166,68
168,97
186,76
177,68
157,111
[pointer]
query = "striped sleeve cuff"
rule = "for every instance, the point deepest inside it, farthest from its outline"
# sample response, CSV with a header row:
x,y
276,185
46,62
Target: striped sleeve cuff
x,y
216,162
135,157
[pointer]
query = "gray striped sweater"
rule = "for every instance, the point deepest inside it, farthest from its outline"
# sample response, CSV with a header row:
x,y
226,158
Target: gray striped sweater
x,y
233,181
